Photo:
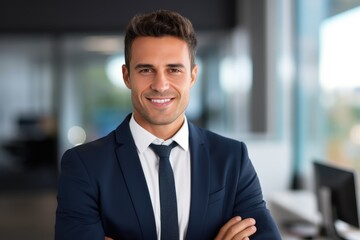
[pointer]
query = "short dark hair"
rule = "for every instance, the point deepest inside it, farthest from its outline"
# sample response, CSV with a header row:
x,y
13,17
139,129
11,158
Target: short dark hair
x,y
157,24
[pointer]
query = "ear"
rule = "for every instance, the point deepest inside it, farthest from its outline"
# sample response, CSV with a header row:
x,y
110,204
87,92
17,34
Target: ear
x,y
126,76
194,73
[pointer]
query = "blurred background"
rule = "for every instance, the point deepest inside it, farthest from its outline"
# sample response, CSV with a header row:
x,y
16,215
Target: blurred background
x,y
281,75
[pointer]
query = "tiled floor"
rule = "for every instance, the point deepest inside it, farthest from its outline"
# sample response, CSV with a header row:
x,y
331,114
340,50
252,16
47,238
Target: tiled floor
x,y
27,215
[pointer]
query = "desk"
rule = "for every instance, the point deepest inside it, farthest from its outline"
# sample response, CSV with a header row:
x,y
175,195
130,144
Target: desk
x,y
301,207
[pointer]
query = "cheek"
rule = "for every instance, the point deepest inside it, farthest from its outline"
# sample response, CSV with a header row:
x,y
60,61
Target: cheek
x,y
185,89
137,94
136,88
185,95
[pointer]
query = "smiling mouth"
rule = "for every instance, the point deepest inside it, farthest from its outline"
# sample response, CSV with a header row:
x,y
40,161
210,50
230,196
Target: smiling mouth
x,y
161,101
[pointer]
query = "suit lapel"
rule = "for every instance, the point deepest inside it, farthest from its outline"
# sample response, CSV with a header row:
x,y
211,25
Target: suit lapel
x,y
199,182
135,180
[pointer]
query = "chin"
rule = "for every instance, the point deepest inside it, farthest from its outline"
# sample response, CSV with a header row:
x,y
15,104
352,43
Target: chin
x,y
164,120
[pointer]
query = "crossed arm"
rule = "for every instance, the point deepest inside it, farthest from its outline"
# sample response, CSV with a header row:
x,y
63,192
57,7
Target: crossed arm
x,y
235,229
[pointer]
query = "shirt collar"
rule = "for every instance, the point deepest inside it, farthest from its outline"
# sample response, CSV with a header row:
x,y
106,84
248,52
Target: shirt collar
x,y
143,138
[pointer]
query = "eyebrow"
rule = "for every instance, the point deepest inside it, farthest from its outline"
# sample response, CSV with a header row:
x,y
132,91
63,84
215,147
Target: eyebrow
x,y
138,66
176,65
172,65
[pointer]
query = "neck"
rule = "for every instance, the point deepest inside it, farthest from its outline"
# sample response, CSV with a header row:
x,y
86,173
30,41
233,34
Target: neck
x,y
162,131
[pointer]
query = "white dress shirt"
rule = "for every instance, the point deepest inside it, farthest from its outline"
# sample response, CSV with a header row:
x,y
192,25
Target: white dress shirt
x,y
180,162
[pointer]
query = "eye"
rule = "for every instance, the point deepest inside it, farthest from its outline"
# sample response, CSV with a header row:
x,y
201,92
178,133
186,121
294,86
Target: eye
x,y
146,70
175,70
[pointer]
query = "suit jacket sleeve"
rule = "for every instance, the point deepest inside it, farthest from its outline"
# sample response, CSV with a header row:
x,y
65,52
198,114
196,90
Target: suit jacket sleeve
x,y
77,215
249,200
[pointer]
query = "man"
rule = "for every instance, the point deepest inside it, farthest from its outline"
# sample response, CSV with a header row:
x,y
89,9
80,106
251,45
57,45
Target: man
x,y
111,188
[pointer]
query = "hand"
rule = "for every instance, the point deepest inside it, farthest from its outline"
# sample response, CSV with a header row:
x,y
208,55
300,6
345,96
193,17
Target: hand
x,y
237,229
107,238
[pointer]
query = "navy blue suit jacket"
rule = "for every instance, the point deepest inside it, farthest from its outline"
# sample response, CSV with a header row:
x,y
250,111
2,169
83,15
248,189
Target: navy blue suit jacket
x,y
102,190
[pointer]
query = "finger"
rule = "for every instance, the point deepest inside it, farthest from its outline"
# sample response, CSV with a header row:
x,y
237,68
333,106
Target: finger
x,y
226,227
240,230
245,234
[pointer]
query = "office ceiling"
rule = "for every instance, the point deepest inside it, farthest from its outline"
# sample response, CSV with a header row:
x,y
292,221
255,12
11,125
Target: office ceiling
x,y
94,16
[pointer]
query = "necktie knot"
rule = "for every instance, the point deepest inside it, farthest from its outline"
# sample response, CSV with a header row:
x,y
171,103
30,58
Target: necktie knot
x,y
163,151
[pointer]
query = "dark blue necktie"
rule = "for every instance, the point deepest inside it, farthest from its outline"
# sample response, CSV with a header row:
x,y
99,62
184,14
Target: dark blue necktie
x,y
168,203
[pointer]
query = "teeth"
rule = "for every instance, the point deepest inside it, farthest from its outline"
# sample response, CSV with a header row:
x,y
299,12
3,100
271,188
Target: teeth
x,y
160,100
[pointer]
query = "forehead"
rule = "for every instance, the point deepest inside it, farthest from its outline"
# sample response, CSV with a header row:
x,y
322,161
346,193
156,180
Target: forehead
x,y
152,49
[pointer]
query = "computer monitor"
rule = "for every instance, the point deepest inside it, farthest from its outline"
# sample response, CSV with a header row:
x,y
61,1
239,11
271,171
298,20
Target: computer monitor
x,y
336,192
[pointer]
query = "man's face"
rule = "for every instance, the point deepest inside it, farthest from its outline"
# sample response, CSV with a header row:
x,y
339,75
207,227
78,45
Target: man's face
x,y
160,78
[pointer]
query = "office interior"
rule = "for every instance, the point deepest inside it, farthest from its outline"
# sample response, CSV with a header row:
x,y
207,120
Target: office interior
x,y
281,75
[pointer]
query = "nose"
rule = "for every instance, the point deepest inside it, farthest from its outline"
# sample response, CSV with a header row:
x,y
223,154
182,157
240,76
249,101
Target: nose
x,y
160,83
